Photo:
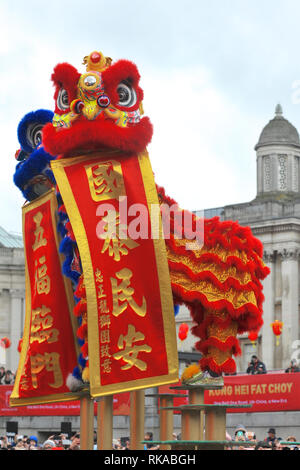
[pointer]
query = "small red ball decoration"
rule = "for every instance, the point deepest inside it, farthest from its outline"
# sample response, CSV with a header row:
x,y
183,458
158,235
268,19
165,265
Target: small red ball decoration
x,y
183,331
5,342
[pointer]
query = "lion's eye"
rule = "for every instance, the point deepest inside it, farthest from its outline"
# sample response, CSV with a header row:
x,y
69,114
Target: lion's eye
x,y
34,134
127,95
63,100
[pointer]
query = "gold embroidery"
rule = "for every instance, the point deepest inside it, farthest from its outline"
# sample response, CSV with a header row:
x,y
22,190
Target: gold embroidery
x,y
105,180
129,353
50,362
122,294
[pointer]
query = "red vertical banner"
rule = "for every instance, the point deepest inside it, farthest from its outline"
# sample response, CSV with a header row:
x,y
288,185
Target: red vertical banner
x,y
48,353
131,325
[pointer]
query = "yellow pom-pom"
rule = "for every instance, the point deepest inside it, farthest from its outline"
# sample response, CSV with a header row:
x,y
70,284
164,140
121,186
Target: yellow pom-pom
x,y
86,375
190,371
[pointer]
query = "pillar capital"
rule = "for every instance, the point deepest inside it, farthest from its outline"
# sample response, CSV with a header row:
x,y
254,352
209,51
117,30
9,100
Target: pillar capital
x,y
269,256
289,254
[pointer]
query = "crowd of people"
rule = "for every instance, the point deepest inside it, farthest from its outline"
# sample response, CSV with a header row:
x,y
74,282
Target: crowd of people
x,y
54,442
63,442
256,366
270,442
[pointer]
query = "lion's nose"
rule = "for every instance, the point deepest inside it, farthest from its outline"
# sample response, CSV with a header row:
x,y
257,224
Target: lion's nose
x,y
103,101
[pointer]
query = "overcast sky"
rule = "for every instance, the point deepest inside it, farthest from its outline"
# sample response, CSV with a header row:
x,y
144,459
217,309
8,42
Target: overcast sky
x,y
212,74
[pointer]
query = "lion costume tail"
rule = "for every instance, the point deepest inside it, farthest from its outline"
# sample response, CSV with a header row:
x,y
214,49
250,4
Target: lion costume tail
x,y
219,282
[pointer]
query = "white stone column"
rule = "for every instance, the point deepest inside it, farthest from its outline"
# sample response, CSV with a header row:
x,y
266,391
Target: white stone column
x,y
15,328
290,302
268,312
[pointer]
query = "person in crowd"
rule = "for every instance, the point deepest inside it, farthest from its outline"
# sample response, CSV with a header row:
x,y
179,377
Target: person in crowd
x,y
33,441
240,436
293,367
271,439
149,437
2,374
263,445
75,444
293,439
256,366
48,444
8,377
240,431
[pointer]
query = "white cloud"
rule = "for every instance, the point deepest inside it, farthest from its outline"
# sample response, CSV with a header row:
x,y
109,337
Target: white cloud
x,y
195,126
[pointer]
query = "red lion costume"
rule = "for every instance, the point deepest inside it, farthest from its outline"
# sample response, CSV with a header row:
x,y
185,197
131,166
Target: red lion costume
x,y
219,282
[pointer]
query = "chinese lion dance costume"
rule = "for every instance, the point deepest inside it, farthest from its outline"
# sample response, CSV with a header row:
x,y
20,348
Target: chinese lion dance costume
x,y
219,282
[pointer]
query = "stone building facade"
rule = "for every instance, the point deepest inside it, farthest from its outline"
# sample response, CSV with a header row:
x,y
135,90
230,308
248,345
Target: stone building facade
x,y
12,296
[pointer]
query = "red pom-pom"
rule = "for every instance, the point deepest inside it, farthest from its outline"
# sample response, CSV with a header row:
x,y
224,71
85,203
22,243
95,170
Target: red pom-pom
x,y
20,345
85,350
82,331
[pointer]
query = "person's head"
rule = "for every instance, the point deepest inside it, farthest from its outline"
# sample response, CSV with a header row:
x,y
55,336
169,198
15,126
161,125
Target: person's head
x,y
240,431
254,359
33,441
148,436
20,444
76,439
48,445
272,433
291,439
250,436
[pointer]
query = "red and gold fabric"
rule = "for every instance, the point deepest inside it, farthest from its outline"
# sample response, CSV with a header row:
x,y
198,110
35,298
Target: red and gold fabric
x,y
220,283
130,330
48,353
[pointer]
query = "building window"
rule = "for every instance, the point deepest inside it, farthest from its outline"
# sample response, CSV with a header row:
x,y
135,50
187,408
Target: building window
x,y
295,173
267,173
282,172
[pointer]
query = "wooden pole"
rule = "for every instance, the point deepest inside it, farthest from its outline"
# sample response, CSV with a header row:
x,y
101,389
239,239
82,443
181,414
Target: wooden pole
x,y
86,423
196,397
166,421
137,416
105,423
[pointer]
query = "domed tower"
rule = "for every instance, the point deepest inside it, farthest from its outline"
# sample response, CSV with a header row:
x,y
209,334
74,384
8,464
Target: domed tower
x,y
278,153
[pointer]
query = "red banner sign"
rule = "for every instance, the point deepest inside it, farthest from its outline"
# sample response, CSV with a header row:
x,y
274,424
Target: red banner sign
x,y
131,326
121,406
48,353
265,392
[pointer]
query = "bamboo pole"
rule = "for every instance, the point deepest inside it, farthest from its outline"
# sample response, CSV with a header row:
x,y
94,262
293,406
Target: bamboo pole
x,y
137,416
105,423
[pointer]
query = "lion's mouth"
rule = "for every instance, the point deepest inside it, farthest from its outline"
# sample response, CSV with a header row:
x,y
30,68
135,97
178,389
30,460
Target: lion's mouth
x,y
87,136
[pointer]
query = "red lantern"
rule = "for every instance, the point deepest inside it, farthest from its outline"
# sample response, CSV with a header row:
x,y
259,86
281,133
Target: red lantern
x,y
5,342
183,331
253,335
277,329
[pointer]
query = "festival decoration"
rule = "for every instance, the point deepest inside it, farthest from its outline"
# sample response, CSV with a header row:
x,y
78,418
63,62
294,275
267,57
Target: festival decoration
x,y
126,277
48,350
277,329
5,342
253,335
183,331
